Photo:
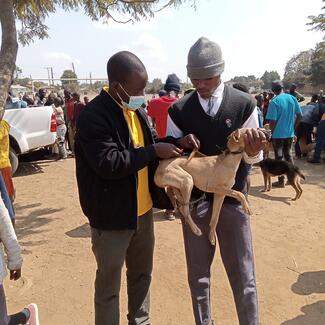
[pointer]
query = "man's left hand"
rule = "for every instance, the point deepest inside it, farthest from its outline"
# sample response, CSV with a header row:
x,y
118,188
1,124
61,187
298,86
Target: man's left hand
x,y
255,141
190,141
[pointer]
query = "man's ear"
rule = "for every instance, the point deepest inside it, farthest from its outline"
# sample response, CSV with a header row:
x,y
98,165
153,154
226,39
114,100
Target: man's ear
x,y
236,135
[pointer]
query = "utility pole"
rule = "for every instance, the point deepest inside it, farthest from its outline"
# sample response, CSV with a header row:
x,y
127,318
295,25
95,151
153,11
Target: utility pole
x,y
90,81
52,76
48,74
73,69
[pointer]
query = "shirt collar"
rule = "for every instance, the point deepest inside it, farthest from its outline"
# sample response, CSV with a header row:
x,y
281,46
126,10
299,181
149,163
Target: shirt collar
x,y
218,93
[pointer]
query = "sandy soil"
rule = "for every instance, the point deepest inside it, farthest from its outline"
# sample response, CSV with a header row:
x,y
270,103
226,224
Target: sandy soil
x,y
59,268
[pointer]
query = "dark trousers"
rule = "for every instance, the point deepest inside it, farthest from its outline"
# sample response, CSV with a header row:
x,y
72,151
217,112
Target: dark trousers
x,y
111,249
320,141
304,131
282,149
235,242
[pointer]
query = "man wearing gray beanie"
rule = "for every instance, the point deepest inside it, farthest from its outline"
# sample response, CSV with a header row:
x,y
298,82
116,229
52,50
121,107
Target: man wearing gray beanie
x,y
211,113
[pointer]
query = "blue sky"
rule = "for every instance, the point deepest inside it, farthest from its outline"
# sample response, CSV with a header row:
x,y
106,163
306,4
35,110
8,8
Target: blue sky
x,y
255,35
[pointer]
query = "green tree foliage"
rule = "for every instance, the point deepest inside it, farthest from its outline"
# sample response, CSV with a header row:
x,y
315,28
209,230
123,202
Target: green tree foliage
x,y
248,81
31,15
318,65
297,69
68,74
268,77
154,86
318,22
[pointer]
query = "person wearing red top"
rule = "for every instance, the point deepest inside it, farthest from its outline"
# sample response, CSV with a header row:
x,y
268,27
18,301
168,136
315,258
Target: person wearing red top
x,y
69,110
158,111
158,107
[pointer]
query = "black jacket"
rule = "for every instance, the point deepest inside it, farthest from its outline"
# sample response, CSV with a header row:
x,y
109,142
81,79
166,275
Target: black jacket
x,y
107,165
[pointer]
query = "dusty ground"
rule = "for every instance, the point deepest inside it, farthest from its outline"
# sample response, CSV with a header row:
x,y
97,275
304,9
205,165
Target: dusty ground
x,y
59,269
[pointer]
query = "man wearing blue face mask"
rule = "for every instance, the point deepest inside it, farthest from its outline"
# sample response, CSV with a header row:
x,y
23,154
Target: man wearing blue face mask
x,y
116,157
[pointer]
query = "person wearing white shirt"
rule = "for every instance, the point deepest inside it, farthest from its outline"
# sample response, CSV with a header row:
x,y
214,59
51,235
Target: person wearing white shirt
x,y
211,113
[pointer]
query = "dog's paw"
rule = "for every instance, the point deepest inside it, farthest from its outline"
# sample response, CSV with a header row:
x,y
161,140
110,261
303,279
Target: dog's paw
x,y
212,238
264,190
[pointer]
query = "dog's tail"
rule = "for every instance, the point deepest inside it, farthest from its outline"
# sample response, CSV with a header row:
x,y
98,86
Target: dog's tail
x,y
298,171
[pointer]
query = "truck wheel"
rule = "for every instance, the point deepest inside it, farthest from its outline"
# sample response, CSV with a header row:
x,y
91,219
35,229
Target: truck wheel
x,y
13,160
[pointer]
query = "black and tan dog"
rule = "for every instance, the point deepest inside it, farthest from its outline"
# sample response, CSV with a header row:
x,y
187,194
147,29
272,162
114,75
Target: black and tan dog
x,y
271,168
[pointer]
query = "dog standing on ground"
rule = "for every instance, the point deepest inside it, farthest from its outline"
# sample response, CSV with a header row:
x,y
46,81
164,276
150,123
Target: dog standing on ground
x,y
271,167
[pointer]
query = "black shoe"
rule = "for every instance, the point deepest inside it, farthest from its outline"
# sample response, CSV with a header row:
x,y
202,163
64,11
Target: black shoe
x,y
278,184
314,161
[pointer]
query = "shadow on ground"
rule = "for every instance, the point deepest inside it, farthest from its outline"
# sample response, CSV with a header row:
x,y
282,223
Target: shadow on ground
x,y
313,314
80,232
31,222
309,283
256,191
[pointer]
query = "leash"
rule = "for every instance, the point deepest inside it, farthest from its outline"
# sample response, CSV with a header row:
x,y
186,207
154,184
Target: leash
x,y
192,203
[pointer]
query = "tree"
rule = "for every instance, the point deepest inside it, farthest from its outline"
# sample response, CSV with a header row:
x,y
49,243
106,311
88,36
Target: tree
x,y
318,22
248,81
268,78
31,15
69,74
297,69
318,64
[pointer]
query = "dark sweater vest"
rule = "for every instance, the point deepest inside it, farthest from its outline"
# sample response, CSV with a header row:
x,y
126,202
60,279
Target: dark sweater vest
x,y
190,117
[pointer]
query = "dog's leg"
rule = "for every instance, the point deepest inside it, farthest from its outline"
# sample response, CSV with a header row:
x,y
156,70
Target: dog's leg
x,y
294,185
265,181
270,183
236,195
217,204
299,186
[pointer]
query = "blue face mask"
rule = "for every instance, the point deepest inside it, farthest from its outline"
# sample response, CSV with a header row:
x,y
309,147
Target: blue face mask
x,y
135,102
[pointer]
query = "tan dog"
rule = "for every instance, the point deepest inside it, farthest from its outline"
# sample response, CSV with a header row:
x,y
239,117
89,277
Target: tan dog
x,y
212,174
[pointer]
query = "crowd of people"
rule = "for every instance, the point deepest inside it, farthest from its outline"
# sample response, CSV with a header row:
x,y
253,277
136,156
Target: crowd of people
x,y
117,139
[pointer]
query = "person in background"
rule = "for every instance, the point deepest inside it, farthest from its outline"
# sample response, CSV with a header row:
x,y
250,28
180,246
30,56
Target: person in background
x,y
259,105
293,92
284,115
320,136
86,100
158,107
61,129
266,101
41,97
69,111
309,120
8,240
314,99
14,102
158,112
78,107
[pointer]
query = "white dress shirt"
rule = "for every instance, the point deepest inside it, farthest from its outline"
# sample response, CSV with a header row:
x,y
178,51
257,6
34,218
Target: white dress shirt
x,y
217,96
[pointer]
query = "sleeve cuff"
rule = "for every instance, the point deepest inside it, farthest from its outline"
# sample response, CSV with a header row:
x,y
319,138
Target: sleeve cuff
x,y
254,159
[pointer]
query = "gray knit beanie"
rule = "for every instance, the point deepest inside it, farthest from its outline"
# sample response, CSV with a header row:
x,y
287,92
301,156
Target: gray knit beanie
x,y
204,60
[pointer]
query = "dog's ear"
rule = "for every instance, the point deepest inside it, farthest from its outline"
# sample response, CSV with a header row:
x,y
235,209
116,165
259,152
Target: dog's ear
x,y
236,135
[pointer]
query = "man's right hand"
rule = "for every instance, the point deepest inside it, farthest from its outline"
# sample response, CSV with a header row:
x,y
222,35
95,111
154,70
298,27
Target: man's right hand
x,y
167,150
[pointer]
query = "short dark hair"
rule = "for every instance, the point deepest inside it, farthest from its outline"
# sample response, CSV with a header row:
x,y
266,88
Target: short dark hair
x,y
122,64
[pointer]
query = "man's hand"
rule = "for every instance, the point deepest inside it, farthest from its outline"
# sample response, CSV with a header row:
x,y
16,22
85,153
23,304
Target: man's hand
x,y
167,150
255,141
15,274
190,141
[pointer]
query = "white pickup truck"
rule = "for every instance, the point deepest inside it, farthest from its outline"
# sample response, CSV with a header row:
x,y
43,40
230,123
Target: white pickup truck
x,y
31,128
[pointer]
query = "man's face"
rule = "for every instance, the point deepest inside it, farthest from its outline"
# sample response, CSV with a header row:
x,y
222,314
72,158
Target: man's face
x,y
42,93
206,87
134,85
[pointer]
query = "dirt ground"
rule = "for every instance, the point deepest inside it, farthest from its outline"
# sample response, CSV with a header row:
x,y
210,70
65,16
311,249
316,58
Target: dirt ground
x,y
59,268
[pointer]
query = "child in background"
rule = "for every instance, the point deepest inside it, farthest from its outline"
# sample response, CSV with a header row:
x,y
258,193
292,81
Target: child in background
x,y
61,127
29,315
